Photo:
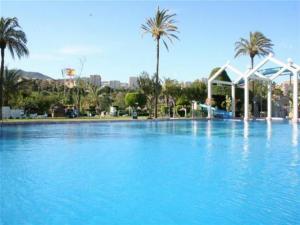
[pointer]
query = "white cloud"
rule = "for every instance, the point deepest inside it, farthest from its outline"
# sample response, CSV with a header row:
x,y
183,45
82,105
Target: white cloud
x,y
79,50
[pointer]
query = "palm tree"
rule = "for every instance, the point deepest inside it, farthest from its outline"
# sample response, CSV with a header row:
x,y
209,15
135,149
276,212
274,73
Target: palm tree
x,y
12,84
94,93
161,27
80,92
258,44
13,38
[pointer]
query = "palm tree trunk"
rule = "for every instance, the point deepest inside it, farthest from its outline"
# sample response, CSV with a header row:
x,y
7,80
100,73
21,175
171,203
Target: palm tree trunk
x,y
156,79
1,81
253,83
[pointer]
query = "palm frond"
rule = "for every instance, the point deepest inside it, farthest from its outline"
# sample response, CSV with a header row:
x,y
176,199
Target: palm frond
x,y
12,37
161,26
258,44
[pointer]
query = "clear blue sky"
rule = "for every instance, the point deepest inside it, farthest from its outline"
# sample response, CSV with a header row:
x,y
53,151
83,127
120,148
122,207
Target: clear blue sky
x,y
108,35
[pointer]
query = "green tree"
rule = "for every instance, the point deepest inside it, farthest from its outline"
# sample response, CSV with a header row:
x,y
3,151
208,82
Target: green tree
x,y
94,96
135,99
197,91
171,91
119,100
257,45
160,27
80,91
12,84
13,38
40,102
104,102
182,101
106,90
147,85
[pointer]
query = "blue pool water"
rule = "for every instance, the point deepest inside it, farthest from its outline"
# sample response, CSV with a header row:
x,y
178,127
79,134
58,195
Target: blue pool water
x,y
151,173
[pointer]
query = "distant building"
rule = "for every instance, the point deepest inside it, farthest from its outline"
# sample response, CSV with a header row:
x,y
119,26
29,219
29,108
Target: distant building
x,y
124,85
95,80
115,84
105,84
187,83
133,82
286,87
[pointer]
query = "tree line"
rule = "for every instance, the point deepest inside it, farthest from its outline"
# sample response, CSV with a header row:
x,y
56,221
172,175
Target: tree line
x,y
48,96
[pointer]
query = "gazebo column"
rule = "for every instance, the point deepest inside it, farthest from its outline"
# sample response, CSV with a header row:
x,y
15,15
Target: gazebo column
x,y
269,108
246,99
209,96
233,100
295,97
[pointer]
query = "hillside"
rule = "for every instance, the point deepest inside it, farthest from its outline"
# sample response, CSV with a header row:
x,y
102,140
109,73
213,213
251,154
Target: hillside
x,y
34,75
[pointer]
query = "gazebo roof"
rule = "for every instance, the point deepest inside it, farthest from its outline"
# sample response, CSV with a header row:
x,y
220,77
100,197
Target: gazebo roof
x,y
273,70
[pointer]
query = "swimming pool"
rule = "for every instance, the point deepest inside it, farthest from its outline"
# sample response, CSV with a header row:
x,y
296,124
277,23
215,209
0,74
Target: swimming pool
x,y
158,173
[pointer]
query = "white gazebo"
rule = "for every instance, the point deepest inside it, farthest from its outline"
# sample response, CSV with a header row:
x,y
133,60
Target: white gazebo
x,y
255,74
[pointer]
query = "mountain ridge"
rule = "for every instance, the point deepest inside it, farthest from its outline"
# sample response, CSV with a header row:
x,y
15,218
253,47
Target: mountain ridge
x,y
34,75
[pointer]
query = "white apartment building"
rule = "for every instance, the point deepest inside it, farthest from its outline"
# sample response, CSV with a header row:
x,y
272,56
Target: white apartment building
x,y
133,82
95,80
115,84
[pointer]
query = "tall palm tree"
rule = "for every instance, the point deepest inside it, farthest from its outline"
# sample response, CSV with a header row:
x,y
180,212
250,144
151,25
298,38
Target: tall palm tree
x,y
13,38
257,45
161,27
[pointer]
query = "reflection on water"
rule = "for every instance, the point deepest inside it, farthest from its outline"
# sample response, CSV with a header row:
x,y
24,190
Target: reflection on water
x,y
246,129
246,140
194,127
295,134
208,129
269,130
209,135
233,129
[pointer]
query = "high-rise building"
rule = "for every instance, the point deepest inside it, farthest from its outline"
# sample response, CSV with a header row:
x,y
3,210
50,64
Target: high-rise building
x,y
115,84
95,80
133,82
105,84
